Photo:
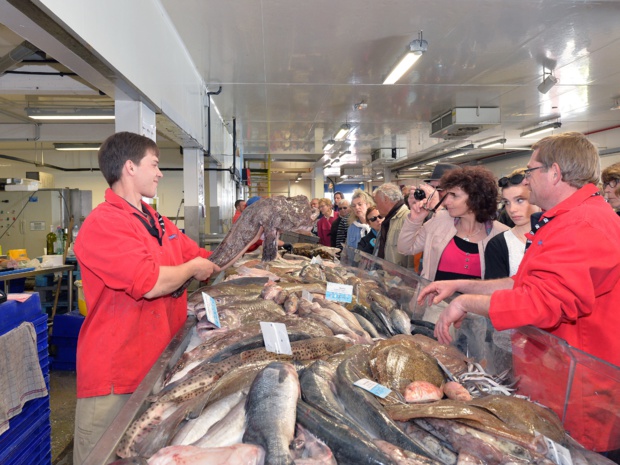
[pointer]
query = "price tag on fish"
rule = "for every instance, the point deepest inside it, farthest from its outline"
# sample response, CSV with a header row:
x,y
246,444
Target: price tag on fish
x,y
558,453
339,292
316,260
306,295
211,309
276,338
377,389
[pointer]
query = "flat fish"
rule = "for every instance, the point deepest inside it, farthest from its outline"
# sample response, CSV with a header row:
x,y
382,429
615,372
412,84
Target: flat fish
x,y
246,454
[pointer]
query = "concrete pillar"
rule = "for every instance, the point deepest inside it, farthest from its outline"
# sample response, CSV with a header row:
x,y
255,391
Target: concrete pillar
x,y
387,174
194,193
318,183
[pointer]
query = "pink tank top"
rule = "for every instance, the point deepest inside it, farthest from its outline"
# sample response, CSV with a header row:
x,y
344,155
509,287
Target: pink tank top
x,y
455,260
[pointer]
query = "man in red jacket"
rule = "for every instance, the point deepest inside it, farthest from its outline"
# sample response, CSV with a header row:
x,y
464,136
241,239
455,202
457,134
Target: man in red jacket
x,y
567,284
131,259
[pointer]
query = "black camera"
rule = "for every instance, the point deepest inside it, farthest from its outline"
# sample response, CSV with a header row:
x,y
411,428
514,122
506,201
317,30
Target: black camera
x,y
419,194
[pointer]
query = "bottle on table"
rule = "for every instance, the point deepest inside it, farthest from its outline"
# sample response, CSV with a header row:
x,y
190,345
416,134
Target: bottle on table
x,y
51,241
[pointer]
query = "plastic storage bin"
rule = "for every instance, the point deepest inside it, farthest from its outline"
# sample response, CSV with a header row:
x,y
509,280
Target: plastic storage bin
x,y
64,340
28,439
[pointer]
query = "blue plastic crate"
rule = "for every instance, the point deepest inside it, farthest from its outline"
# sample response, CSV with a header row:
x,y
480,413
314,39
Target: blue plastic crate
x,y
15,313
34,412
33,446
67,325
39,452
62,365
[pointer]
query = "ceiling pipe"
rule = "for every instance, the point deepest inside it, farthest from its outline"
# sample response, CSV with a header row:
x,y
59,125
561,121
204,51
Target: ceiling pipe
x,y
209,94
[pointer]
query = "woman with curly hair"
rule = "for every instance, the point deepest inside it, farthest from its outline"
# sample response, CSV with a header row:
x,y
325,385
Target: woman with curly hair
x,y
453,241
611,186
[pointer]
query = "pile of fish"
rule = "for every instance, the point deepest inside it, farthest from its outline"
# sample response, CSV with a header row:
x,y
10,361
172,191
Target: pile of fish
x,y
229,400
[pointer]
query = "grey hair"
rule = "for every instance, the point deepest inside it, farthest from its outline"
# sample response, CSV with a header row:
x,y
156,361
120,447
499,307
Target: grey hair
x,y
391,192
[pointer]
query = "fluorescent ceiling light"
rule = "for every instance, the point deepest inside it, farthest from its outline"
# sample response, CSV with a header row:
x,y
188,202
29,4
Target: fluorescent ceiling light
x,y
70,114
414,51
76,147
329,145
541,129
342,132
492,143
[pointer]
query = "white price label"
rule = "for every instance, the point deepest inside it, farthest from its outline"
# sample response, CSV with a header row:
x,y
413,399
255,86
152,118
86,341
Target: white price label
x,y
276,338
211,309
339,292
307,295
558,453
377,389
316,260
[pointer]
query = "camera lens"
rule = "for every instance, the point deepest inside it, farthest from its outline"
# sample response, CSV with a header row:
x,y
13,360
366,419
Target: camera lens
x,y
419,194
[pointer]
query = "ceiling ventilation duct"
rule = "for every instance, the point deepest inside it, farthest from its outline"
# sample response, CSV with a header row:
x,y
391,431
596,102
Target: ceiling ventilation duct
x,y
459,123
387,154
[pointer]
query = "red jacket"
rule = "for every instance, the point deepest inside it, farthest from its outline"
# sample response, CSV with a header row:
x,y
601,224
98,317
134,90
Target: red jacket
x,y
569,284
324,229
124,333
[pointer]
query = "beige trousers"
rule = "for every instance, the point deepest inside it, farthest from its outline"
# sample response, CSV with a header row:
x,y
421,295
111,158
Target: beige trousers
x,y
93,416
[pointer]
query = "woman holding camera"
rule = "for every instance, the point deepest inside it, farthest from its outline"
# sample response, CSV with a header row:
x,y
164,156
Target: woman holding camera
x,y
453,241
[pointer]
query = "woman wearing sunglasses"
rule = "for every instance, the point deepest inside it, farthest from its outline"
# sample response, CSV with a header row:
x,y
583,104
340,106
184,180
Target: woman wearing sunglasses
x,y
611,186
374,220
504,252
453,241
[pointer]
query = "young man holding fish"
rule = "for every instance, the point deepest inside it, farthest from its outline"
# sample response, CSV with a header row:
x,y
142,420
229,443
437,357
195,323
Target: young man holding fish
x,y
569,280
132,259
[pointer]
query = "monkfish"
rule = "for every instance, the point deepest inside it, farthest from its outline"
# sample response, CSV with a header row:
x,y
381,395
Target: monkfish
x,y
268,216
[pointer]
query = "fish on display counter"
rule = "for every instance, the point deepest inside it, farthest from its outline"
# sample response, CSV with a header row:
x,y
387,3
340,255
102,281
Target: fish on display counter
x,y
231,399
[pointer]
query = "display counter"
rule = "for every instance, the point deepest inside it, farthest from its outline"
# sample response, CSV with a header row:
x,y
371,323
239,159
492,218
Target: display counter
x,y
523,351
576,385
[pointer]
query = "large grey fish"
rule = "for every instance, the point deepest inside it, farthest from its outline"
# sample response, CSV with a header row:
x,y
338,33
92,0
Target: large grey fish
x,y
318,389
195,429
268,216
227,431
347,444
366,410
372,318
270,412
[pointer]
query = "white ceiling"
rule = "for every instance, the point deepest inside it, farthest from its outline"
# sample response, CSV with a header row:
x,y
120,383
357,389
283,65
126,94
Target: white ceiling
x,y
292,72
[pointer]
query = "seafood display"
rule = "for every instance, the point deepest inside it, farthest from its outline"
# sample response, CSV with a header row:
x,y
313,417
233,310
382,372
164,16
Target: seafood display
x,y
362,383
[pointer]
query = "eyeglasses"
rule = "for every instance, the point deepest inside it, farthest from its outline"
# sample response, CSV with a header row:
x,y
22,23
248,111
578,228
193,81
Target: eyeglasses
x,y
515,180
343,208
613,183
374,218
528,172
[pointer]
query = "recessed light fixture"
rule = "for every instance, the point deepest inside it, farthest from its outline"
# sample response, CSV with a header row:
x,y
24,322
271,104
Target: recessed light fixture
x,y
541,129
414,52
342,132
82,114
76,147
329,145
492,143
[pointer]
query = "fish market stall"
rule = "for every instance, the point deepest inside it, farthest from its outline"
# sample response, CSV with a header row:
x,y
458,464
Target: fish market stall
x,y
373,382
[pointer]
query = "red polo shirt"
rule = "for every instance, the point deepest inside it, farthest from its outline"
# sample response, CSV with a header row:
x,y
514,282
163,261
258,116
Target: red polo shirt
x,y
569,284
124,333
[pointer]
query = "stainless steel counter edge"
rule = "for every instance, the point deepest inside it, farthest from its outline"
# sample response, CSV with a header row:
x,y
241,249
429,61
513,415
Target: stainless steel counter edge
x,y
136,405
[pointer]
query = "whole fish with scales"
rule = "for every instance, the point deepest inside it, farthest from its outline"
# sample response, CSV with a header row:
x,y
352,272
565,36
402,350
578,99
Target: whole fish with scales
x,y
268,217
